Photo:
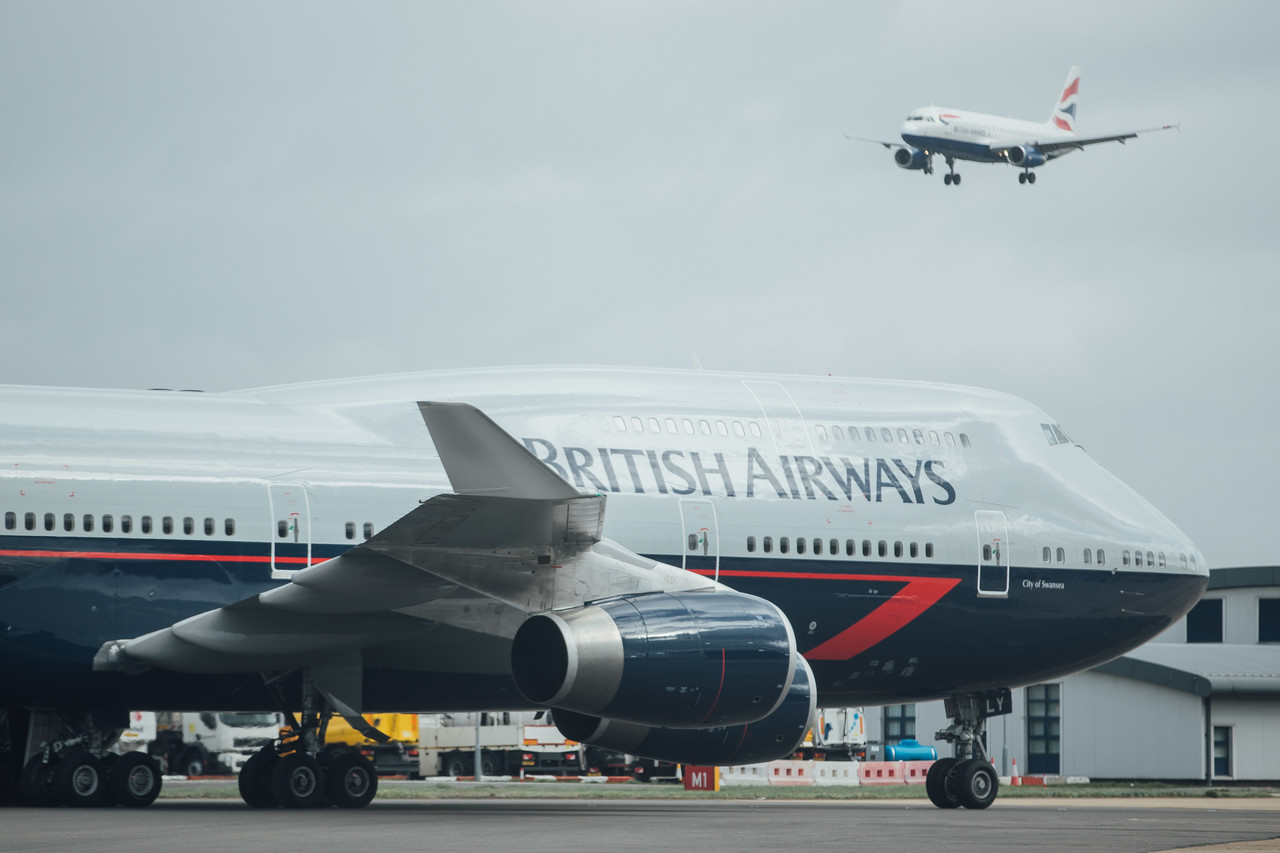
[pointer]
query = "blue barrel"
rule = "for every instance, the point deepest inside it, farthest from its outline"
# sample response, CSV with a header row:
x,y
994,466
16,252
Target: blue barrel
x,y
910,750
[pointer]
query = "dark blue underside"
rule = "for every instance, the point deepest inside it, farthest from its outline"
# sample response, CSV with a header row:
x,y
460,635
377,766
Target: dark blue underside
x,y
954,148
55,612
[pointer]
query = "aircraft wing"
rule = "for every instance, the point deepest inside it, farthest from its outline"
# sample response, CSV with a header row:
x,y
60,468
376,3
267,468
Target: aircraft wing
x,y
513,539
1056,147
876,141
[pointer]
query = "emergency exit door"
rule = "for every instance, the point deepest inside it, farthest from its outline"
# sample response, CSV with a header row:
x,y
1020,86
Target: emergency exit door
x,y
700,544
993,553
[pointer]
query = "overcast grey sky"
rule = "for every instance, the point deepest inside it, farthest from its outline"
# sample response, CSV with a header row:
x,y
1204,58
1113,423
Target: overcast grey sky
x,y
223,195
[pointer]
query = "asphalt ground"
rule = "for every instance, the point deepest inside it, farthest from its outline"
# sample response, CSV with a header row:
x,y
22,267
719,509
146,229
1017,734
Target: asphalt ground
x,y
706,826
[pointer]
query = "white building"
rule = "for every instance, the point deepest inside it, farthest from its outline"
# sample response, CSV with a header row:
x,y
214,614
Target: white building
x,y
1201,702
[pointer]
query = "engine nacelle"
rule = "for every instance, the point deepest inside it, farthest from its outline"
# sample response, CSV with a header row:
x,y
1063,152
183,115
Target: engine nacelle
x,y
776,736
689,659
1025,156
910,158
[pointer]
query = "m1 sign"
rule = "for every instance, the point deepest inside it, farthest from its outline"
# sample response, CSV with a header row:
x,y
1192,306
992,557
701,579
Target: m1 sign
x,y
701,778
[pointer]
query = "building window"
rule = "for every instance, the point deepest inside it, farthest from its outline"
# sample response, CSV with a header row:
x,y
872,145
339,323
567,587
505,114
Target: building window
x,y
1204,622
1269,620
1222,751
1044,729
899,723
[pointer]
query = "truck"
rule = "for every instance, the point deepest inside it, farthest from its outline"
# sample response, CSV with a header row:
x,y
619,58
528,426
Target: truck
x,y
606,762
396,757
511,744
838,734
199,743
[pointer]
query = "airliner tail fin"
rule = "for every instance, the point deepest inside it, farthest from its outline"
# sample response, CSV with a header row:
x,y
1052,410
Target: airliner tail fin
x,y
1064,114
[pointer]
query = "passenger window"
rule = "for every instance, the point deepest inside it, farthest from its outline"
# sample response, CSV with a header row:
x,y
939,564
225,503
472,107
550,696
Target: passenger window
x,y
1045,554
784,545
800,545
721,428
351,530
1088,557
230,526
822,432
928,550
146,524
986,552
1151,559
871,435
949,438
751,544
915,550
126,524
693,541
850,548
866,547
1124,558
637,424
897,549
837,433
884,548
654,426
68,522
10,521
768,544
705,427
933,437
853,434
964,440
29,522
1161,556
49,521
817,547
919,435
87,523
902,436
1137,558
738,430
188,525
688,426
671,425
209,526
1102,557
835,547
108,524
886,435
619,423
282,529
1183,556
368,530
755,429
1062,555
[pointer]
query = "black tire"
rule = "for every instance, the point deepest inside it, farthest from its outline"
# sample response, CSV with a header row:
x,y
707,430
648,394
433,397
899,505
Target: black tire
x,y
946,179
255,779
135,780
192,763
489,765
455,764
940,786
1022,178
37,783
297,781
976,783
1031,177
350,781
80,780
955,180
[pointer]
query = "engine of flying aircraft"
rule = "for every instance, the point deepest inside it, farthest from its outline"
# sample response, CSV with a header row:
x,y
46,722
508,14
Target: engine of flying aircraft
x,y
910,158
1026,156
679,660
776,736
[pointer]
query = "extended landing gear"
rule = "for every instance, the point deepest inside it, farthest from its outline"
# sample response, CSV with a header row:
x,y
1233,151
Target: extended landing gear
x,y
968,779
1027,177
951,177
294,773
55,759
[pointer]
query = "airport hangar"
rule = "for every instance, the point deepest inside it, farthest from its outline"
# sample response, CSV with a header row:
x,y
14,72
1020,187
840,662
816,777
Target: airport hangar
x,y
1201,702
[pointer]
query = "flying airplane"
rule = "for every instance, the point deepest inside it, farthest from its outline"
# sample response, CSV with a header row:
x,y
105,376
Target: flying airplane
x,y
679,564
960,135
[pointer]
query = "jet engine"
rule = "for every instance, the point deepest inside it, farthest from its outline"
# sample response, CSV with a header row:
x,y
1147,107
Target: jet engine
x,y
679,660
776,736
910,158
1025,156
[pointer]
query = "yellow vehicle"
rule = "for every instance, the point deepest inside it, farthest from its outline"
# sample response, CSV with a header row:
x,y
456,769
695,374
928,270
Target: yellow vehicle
x,y
397,757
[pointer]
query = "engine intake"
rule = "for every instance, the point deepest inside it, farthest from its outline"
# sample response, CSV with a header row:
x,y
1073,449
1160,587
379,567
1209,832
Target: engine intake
x,y
1025,156
692,659
910,158
776,736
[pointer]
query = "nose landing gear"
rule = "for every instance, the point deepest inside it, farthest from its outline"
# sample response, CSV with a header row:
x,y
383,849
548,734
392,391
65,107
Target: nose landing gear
x,y
968,779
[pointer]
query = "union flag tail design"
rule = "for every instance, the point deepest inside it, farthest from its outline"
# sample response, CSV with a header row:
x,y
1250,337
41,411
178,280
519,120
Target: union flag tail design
x,y
1064,114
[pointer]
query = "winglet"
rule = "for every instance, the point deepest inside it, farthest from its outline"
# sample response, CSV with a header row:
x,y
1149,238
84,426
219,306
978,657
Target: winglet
x,y
482,459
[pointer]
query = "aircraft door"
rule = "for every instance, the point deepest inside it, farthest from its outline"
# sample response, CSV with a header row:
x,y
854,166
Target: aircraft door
x,y
700,543
993,553
290,529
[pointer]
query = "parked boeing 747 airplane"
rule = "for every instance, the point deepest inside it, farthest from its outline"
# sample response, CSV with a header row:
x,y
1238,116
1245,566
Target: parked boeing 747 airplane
x,y
678,564
959,135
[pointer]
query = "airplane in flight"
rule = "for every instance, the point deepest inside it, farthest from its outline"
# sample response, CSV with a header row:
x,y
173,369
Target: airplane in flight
x,y
678,564
960,135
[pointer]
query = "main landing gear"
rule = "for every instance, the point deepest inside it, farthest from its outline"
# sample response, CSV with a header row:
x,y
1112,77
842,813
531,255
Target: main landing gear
x,y
295,773
968,779
951,177
61,759
1027,177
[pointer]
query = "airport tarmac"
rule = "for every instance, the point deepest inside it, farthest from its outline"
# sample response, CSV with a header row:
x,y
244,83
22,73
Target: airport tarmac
x,y
570,826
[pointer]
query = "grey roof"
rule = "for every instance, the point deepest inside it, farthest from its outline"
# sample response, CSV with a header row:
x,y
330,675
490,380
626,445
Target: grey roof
x,y
1205,669
1237,577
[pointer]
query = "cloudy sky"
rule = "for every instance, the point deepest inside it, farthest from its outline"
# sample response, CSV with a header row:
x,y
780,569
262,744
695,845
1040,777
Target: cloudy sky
x,y
224,195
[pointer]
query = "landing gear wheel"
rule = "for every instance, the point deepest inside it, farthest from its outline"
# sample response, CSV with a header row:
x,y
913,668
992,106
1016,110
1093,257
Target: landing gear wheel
x,y
1022,178
255,780
939,784
37,783
80,780
1031,177
976,783
955,179
946,179
350,781
135,780
297,781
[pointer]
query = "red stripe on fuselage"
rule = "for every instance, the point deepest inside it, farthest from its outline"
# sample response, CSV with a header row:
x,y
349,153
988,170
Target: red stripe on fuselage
x,y
128,555
904,606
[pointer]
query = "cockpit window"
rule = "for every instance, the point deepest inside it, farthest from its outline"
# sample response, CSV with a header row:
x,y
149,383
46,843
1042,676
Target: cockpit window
x,y
1048,433
1062,436
1054,434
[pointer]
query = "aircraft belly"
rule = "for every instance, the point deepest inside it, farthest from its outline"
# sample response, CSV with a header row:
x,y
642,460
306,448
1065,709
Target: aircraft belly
x,y
953,147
